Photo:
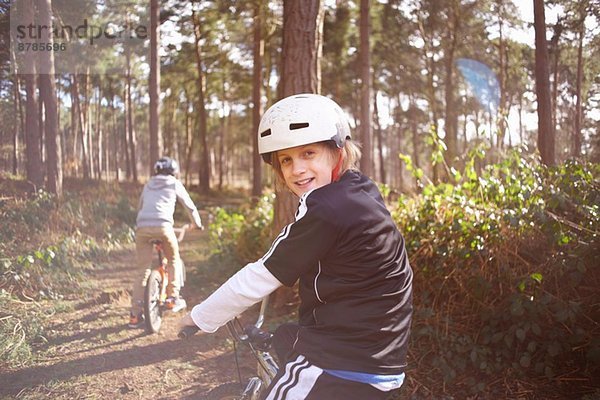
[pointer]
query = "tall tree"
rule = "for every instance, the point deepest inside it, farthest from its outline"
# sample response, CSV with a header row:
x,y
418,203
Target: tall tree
x,y
300,73
451,41
366,162
130,139
34,163
204,161
578,85
257,83
546,134
154,85
48,97
18,125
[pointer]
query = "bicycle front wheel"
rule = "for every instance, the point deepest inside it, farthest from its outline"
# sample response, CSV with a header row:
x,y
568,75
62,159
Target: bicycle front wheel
x,y
152,310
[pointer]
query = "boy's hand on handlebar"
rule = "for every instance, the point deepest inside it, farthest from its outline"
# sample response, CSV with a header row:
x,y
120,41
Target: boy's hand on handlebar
x,y
187,327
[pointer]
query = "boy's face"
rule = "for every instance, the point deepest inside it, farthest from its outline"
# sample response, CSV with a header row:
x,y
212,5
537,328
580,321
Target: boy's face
x,y
306,167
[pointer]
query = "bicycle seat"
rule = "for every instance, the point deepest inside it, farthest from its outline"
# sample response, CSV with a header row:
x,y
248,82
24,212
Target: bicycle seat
x,y
156,241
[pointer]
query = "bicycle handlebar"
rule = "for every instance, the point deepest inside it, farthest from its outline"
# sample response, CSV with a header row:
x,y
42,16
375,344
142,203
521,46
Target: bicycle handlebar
x,y
181,231
187,332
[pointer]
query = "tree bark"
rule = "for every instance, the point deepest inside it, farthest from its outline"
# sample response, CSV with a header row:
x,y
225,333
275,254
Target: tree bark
x,y
451,115
80,133
17,109
33,164
48,97
204,184
222,133
366,134
32,139
130,139
546,134
502,112
300,72
257,83
126,122
379,137
578,92
154,86
99,156
189,140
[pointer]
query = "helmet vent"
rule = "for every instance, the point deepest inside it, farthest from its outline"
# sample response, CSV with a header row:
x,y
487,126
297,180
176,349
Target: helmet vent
x,y
266,133
299,125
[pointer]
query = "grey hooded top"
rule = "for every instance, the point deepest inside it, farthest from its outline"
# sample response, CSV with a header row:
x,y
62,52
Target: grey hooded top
x,y
157,202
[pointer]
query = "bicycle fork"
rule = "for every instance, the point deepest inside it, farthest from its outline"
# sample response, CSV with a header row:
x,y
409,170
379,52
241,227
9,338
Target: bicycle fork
x,y
267,368
253,389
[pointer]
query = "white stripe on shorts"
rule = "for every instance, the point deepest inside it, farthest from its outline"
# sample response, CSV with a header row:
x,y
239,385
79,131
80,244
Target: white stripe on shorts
x,y
299,378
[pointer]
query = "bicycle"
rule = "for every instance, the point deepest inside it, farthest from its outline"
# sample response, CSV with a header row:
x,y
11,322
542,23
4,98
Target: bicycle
x,y
259,344
155,292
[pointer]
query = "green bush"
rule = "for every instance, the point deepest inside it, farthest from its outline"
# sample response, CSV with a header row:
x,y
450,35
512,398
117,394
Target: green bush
x,y
244,233
506,271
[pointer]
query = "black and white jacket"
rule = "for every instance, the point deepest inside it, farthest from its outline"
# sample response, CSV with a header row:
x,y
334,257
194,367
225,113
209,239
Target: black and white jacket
x,y
355,280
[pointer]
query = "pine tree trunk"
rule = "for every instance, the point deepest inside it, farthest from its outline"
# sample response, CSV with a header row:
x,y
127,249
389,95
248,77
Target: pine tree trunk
x,y
546,134
502,109
154,86
48,97
578,92
366,162
17,110
451,117
130,139
34,165
81,124
32,134
379,137
301,73
204,172
257,83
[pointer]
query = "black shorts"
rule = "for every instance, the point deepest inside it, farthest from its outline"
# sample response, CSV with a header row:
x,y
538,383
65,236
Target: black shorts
x,y
300,380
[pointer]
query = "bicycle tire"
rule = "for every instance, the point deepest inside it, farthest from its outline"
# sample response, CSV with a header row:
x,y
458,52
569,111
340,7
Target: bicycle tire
x,y
152,310
226,391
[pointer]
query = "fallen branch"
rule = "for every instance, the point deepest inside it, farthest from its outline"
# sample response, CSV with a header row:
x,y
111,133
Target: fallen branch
x,y
571,224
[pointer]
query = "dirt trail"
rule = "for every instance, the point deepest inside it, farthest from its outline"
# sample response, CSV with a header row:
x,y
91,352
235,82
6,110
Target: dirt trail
x,y
91,354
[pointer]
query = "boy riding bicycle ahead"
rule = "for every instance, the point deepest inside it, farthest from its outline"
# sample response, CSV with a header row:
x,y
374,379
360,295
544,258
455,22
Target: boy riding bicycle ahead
x,y
155,222
355,281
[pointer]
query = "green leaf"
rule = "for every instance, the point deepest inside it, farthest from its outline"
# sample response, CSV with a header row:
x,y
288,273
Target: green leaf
x,y
536,277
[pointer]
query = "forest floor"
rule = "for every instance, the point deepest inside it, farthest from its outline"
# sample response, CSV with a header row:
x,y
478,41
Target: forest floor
x,y
90,352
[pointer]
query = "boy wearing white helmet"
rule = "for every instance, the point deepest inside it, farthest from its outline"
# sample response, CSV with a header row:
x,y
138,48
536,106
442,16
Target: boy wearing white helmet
x,y
155,222
355,281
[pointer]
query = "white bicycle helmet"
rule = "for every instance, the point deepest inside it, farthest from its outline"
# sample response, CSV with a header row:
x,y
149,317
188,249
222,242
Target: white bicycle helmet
x,y
299,120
